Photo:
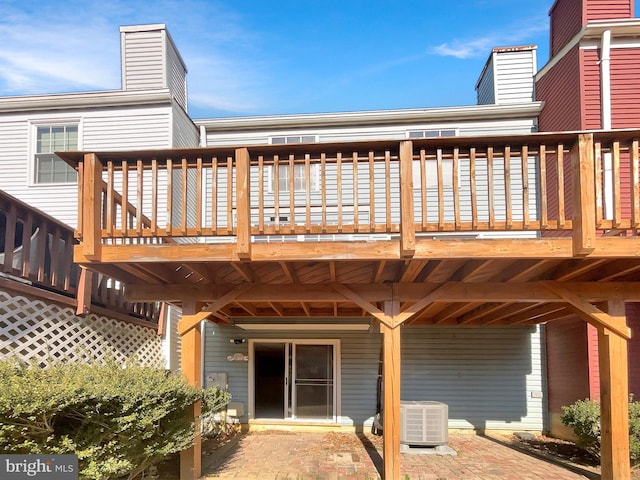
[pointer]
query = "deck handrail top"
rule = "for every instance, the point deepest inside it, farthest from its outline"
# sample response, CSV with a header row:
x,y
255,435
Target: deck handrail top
x,y
73,158
4,196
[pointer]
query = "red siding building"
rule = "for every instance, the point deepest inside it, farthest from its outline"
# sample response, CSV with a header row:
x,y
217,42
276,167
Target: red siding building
x,y
592,81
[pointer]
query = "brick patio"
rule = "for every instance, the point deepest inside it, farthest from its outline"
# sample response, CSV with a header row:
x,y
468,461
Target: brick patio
x,y
328,456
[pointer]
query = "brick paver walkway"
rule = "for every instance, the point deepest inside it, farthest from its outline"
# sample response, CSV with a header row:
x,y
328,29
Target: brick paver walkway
x,y
327,456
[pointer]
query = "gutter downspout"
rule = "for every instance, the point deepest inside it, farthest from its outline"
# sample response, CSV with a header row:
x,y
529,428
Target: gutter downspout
x,y
203,136
605,104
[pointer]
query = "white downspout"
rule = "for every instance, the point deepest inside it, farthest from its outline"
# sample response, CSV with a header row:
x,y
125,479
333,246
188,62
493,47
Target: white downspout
x,y
203,136
605,102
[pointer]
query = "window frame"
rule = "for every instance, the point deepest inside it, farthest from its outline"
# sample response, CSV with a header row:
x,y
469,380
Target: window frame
x,y
447,165
314,170
291,139
451,132
33,166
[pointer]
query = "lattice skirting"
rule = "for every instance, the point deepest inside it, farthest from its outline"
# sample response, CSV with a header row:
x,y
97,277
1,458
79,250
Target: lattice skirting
x,y
34,330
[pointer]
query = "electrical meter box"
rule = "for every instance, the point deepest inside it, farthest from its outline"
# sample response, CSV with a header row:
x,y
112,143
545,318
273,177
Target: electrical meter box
x,y
217,379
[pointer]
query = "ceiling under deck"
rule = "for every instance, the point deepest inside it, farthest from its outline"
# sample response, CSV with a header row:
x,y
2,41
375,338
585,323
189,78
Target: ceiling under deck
x,y
307,289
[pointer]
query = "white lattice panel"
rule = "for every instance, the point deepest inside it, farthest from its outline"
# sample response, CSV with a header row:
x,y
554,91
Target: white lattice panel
x,y
33,330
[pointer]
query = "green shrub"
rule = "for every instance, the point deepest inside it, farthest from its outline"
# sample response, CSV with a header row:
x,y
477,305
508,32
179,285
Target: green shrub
x,y
119,421
584,418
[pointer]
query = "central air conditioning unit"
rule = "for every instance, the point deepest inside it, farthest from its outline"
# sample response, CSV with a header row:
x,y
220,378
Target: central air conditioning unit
x,y
424,423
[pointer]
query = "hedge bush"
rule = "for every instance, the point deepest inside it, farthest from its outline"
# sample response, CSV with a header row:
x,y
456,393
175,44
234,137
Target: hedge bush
x,y
119,421
584,418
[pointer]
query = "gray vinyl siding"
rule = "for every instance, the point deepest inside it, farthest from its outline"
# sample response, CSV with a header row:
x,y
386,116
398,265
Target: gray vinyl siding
x,y
485,88
143,60
490,377
217,348
360,354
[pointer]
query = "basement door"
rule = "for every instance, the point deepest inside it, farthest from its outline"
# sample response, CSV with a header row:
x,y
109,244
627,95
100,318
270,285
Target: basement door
x,y
294,380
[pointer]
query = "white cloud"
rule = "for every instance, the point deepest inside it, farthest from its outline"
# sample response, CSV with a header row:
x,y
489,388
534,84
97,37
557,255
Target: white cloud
x,y
481,46
75,46
39,55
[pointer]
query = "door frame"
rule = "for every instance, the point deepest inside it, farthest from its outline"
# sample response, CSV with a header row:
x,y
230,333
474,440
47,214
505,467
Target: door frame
x,y
337,394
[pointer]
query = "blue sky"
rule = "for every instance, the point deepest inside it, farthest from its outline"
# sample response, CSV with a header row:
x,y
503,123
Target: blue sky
x,y
260,57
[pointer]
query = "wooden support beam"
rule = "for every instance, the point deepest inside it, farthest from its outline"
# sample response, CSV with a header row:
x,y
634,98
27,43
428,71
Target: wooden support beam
x,y
584,202
228,297
589,312
244,269
391,387
614,398
485,292
243,204
191,365
84,292
92,207
407,228
192,321
383,317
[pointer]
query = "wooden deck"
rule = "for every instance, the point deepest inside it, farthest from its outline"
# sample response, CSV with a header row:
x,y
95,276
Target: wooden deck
x,y
504,230
36,257
487,211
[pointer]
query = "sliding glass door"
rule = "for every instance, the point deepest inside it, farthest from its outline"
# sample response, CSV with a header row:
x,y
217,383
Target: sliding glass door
x,y
295,379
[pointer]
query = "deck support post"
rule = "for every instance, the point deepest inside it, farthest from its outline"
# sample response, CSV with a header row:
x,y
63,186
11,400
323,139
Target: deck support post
x,y
243,203
92,206
85,291
190,362
391,388
584,201
407,227
614,399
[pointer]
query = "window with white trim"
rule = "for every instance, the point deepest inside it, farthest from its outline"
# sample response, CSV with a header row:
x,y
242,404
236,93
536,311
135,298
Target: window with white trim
x,y
293,139
431,174
431,166
432,133
299,177
49,168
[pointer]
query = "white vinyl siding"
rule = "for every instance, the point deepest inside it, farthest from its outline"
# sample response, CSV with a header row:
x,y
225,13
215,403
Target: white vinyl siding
x,y
127,130
507,77
490,377
377,132
514,77
143,60
177,76
364,200
185,133
171,341
485,88
108,129
150,60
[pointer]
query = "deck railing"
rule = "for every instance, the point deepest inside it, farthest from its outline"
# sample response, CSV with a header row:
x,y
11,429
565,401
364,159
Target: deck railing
x,y
448,185
38,250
